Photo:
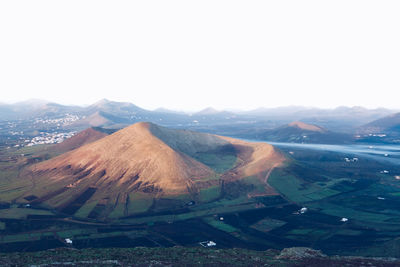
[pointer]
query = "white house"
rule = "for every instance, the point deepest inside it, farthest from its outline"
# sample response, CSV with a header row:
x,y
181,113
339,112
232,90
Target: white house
x,y
208,244
211,244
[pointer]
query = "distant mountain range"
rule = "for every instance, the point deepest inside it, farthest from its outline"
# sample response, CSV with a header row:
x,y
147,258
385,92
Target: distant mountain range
x,y
340,119
111,114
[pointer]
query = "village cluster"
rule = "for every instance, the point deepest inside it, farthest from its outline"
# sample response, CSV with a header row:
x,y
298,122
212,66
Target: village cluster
x,y
64,121
351,159
370,135
49,138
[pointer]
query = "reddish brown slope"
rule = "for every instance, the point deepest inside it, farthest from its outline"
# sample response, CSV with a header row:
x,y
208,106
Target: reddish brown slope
x,y
143,158
128,160
82,138
253,159
306,126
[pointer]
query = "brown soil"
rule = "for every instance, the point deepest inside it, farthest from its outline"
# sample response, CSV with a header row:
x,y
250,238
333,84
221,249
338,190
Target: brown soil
x,y
82,138
305,126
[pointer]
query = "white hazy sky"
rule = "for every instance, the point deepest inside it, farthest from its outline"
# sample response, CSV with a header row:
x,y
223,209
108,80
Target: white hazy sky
x,y
194,54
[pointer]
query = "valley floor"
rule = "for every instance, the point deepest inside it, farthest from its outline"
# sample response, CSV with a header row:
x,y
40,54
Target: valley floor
x,y
322,184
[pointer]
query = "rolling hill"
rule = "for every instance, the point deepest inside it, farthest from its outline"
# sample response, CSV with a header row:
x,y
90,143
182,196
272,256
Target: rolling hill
x,y
101,119
118,174
389,123
384,130
35,108
119,109
212,112
300,132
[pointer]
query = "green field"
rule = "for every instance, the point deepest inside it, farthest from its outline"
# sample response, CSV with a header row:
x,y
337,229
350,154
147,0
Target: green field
x,y
219,162
85,210
215,221
296,189
139,202
268,224
22,213
209,194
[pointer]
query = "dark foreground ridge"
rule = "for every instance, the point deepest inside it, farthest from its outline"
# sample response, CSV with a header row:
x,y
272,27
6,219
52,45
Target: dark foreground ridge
x,y
181,256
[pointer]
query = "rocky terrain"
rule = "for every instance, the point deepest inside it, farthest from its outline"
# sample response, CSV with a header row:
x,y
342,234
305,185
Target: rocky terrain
x,y
180,256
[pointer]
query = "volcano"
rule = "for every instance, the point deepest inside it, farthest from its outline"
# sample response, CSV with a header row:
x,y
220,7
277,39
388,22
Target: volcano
x,y
145,161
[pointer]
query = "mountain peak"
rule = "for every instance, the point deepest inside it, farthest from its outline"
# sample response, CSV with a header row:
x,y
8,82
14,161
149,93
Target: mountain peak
x,y
208,111
102,102
306,126
118,109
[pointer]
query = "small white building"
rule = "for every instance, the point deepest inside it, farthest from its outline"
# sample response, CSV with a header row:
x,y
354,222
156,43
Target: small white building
x,y
208,244
351,160
211,244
